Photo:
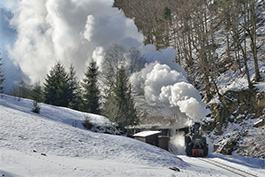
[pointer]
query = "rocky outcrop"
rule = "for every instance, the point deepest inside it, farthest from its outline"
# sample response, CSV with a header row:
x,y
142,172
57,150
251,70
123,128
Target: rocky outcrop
x,y
234,106
242,110
230,146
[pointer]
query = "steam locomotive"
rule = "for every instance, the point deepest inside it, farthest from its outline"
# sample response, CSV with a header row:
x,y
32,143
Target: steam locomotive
x,y
196,145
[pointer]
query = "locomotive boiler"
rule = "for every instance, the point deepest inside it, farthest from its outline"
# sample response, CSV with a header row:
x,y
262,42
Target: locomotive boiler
x,y
196,145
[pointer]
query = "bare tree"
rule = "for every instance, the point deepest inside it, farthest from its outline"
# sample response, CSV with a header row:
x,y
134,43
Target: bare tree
x,y
196,29
252,31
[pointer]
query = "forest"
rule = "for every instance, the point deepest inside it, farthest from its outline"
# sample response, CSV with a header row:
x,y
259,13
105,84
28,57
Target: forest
x,y
211,36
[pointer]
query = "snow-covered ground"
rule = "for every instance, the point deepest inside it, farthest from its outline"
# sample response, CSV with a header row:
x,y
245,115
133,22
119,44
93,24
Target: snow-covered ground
x,y
47,144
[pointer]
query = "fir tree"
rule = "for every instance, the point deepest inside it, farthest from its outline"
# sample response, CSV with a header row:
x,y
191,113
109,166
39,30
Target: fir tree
x,y
74,90
1,78
56,86
119,106
37,93
91,92
36,107
37,96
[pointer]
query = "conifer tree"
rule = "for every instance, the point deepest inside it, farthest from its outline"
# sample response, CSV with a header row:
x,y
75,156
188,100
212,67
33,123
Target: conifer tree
x,y
37,93
56,86
74,92
37,96
1,77
119,106
91,94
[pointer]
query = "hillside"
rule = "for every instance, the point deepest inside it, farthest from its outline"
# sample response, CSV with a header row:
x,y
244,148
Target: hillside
x,y
48,145
237,122
221,46
51,133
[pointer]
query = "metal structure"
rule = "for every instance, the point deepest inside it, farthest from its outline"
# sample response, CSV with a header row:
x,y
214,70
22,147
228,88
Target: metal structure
x,y
196,145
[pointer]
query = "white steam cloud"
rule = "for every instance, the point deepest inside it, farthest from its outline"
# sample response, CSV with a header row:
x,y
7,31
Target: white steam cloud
x,y
163,84
74,32
68,31
177,143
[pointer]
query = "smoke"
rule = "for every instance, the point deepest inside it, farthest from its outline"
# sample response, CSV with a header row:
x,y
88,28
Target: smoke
x,y
68,31
177,143
12,72
74,32
9,4
163,84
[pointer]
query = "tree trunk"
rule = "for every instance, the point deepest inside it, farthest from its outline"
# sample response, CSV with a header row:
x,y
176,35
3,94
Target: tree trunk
x,y
253,37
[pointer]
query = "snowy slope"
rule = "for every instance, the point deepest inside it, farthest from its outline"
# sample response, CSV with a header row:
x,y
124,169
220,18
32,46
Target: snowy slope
x,y
59,114
247,139
48,145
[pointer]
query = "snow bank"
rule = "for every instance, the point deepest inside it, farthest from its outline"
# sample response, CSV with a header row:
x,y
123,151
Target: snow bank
x,y
46,145
52,133
59,114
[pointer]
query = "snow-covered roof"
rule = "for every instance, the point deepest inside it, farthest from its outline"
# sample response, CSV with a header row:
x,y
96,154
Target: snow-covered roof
x,y
146,133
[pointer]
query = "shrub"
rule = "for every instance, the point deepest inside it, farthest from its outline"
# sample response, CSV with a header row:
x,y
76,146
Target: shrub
x,y
87,124
36,107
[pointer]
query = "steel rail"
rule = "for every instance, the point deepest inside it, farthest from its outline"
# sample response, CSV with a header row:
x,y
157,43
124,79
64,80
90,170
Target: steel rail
x,y
228,168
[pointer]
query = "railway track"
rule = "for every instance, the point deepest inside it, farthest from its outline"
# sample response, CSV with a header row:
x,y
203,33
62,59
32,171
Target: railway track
x,y
229,168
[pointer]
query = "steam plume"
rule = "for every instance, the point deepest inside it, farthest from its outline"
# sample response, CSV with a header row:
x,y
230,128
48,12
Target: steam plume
x,y
67,30
74,32
163,84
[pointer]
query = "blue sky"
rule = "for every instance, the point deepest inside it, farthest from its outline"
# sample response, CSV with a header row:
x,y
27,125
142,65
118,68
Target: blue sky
x,y
8,35
9,4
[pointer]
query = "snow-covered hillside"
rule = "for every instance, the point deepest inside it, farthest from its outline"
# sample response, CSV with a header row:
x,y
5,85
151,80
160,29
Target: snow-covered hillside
x,y
47,144
236,113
